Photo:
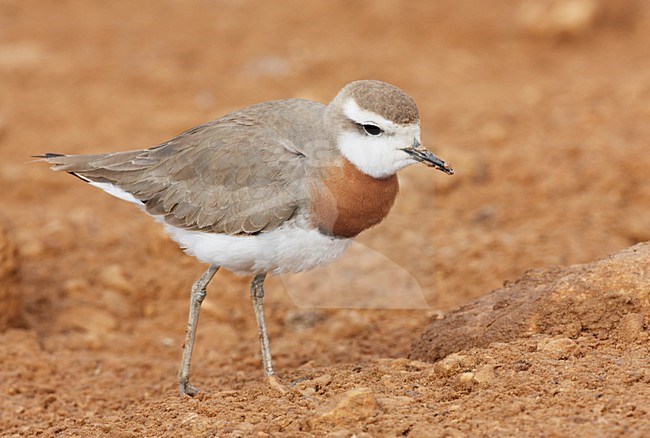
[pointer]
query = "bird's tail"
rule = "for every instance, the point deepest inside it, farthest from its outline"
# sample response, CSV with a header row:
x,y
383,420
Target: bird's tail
x,y
114,173
97,167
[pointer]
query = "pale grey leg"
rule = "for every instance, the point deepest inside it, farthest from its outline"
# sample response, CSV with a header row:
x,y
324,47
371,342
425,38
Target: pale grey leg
x,y
197,297
257,295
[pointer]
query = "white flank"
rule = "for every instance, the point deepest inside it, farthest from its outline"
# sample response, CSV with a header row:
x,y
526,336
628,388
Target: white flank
x,y
378,156
287,249
114,190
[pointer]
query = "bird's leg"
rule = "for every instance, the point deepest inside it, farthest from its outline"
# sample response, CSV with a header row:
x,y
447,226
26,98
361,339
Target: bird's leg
x,y
257,295
197,297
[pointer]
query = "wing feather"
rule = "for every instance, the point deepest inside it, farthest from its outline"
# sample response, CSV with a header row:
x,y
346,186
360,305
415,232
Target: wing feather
x,y
232,178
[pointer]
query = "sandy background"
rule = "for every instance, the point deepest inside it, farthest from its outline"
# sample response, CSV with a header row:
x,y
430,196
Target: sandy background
x,y
543,112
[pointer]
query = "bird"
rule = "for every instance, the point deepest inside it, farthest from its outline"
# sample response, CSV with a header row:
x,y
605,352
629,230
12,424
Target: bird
x,y
282,186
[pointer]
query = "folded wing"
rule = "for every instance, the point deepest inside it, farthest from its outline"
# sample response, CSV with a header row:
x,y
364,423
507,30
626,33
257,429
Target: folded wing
x,y
232,178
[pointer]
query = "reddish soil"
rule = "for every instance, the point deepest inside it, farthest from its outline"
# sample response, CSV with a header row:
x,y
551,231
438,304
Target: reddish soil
x,y
547,128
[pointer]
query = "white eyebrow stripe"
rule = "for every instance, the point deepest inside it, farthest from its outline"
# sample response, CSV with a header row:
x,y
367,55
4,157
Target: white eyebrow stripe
x,y
359,115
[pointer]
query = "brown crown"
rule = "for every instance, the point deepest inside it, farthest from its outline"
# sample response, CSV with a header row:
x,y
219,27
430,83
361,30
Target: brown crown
x,y
381,98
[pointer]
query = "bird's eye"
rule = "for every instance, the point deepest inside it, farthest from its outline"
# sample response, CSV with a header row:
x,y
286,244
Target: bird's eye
x,y
373,130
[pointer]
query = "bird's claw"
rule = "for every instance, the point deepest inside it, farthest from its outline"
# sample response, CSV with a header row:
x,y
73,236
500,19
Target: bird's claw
x,y
186,389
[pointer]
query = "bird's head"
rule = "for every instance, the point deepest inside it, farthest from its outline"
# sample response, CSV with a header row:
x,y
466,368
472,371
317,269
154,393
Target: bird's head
x,y
378,129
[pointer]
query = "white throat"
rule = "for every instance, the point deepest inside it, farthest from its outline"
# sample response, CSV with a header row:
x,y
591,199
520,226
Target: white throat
x,y
378,156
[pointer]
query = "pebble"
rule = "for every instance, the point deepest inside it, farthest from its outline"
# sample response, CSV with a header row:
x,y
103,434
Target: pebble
x,y
453,364
485,375
559,349
351,407
317,384
391,404
465,380
631,327
198,423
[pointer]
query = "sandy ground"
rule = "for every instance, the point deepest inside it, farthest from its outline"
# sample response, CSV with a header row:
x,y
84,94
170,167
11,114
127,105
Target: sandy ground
x,y
544,118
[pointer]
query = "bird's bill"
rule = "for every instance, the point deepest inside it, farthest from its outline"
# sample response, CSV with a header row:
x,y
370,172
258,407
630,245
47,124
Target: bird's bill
x,y
427,157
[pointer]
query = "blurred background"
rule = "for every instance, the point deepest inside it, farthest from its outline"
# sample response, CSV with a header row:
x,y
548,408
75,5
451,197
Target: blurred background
x,y
541,106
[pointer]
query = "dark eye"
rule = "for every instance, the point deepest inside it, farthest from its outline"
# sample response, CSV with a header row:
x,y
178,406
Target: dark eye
x,y
372,129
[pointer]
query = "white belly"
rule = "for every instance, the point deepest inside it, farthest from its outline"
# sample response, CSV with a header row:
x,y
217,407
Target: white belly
x,y
287,249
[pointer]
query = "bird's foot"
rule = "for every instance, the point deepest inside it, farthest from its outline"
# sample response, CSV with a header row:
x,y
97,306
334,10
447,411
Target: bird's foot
x,y
186,389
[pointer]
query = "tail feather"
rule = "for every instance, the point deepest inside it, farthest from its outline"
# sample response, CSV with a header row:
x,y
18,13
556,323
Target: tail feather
x,y
48,155
104,171
95,167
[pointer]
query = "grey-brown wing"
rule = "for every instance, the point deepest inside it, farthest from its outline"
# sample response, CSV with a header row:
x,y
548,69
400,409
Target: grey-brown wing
x,y
225,178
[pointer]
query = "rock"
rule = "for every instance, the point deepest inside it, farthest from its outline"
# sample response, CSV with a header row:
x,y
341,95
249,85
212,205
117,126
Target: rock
x,y
392,404
348,408
560,348
199,424
631,327
453,364
561,302
485,375
10,299
315,385
465,380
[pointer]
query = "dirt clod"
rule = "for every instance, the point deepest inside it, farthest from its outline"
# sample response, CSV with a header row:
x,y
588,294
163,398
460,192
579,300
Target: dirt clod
x,y
631,327
348,408
589,299
560,348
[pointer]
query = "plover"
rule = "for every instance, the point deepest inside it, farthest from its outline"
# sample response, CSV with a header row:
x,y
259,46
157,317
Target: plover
x,y
281,186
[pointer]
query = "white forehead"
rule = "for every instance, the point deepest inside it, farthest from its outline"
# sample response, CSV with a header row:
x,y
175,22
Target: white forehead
x,y
354,112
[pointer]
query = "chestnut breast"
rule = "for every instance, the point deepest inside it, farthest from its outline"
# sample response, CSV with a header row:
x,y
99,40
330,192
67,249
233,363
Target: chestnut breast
x,y
347,201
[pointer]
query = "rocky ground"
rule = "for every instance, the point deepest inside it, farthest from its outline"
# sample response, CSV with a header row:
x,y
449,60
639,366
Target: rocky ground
x,y
542,107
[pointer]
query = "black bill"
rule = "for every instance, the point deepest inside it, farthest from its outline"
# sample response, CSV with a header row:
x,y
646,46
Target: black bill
x,y
424,156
